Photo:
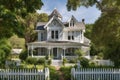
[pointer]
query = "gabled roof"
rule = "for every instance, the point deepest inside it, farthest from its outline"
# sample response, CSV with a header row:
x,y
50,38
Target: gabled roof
x,y
41,27
72,18
77,27
55,13
54,18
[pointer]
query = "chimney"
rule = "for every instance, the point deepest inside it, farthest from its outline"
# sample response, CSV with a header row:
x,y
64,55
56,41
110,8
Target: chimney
x,y
83,20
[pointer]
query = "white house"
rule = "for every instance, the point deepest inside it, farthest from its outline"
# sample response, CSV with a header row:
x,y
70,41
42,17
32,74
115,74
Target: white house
x,y
59,39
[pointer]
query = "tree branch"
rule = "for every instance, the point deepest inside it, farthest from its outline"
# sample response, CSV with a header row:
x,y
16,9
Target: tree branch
x,y
106,9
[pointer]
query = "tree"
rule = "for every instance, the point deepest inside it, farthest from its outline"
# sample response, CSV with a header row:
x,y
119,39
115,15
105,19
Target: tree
x,y
17,42
84,62
88,30
29,24
5,50
10,10
103,5
106,36
43,17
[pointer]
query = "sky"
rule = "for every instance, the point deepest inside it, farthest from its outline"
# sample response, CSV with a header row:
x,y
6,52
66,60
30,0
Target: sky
x,y
90,14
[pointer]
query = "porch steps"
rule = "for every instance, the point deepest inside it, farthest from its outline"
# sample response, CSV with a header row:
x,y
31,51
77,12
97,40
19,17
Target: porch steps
x,y
56,63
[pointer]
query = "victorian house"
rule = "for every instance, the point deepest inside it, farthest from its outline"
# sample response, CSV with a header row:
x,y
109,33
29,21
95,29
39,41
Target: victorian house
x,y
59,39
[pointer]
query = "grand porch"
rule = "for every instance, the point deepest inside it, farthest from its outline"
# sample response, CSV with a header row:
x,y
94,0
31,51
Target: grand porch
x,y
56,50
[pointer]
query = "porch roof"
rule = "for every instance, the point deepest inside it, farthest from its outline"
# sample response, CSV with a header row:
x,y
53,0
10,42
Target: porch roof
x,y
57,44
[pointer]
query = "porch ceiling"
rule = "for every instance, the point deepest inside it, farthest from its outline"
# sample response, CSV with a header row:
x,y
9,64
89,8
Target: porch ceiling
x,y
57,44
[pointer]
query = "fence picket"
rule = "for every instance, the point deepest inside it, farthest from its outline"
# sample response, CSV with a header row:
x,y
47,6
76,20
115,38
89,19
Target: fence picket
x,y
95,74
24,74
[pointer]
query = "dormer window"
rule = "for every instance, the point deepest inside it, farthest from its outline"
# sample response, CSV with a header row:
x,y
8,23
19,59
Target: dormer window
x,y
72,23
54,34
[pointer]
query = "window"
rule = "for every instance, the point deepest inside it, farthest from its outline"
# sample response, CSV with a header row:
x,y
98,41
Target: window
x,y
72,23
56,34
70,35
52,34
42,51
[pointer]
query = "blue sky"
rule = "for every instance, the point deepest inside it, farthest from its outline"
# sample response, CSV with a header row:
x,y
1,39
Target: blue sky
x,y
90,14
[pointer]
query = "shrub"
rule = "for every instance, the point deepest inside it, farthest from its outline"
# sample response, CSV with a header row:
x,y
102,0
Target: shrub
x,y
64,61
31,60
23,55
66,72
41,61
84,62
72,61
49,62
53,73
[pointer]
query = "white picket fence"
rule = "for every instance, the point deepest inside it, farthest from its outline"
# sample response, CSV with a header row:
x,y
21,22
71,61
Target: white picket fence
x,y
24,74
95,74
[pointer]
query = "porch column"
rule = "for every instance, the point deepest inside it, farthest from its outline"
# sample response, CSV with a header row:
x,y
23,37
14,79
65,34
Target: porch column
x,y
64,52
49,48
32,51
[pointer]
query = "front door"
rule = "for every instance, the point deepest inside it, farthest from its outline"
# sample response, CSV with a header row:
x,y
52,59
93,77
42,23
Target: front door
x,y
55,53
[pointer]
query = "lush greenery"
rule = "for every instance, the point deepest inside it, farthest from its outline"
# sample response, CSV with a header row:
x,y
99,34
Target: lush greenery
x,y
35,61
66,71
17,42
53,73
5,49
10,11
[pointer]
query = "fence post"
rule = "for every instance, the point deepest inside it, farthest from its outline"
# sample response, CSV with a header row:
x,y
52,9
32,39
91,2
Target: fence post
x,y
47,74
73,74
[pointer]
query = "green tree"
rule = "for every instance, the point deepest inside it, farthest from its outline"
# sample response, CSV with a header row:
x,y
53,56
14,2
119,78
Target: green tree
x,y
88,30
23,55
11,10
103,5
106,36
43,17
17,42
5,49
29,24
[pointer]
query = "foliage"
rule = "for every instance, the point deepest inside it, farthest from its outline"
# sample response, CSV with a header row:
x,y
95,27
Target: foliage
x,y
64,61
66,72
5,49
29,23
84,62
23,55
73,4
9,13
53,73
79,52
106,36
17,42
49,62
103,5
88,30
43,17
41,61
31,60
72,61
